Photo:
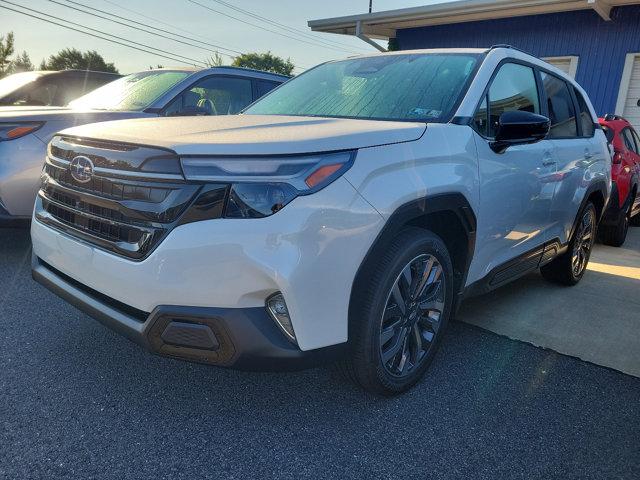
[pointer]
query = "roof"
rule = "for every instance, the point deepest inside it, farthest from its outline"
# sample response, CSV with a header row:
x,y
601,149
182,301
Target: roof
x,y
385,24
224,68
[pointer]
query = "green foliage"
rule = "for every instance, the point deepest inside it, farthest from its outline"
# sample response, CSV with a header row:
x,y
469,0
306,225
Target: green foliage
x,y
392,46
71,58
6,50
215,61
264,61
22,63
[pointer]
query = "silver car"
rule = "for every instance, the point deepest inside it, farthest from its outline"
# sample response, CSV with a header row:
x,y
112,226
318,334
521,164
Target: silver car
x,y
25,131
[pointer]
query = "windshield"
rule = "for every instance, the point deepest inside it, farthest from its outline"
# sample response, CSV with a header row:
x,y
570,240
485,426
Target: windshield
x,y
17,80
134,92
409,87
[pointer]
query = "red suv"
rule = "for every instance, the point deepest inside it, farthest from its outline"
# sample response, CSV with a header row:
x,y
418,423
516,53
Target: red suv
x,y
624,205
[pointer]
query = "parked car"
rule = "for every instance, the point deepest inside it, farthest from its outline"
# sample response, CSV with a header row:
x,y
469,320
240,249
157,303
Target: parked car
x,y
50,88
24,133
342,216
624,206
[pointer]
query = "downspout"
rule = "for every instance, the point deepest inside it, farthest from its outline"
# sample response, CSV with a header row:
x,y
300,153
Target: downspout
x,y
364,38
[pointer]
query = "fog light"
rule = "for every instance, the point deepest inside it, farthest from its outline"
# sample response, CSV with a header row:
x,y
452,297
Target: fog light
x,y
278,310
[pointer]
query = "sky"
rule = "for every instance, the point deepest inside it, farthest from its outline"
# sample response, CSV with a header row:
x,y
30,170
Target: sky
x,y
40,39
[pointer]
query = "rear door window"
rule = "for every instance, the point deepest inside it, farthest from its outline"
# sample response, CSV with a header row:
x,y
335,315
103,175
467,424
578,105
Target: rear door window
x,y
560,107
263,87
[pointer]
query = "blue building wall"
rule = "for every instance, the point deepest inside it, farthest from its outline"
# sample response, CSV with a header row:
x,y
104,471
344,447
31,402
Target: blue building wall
x,y
601,46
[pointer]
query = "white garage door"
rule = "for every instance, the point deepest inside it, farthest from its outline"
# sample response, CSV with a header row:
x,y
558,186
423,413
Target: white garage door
x,y
568,65
630,108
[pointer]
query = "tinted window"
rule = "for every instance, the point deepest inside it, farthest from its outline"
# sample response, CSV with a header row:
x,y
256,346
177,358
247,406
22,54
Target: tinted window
x,y
264,86
608,133
637,139
560,106
213,96
411,87
629,140
586,121
513,88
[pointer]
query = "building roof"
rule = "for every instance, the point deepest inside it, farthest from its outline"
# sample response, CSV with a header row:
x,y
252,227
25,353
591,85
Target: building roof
x,y
384,25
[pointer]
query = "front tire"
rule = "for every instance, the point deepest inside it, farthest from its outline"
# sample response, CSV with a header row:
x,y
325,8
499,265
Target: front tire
x,y
401,313
568,268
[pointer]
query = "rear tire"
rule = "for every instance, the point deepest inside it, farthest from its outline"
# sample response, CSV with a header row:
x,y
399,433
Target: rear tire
x,y
615,235
400,314
568,268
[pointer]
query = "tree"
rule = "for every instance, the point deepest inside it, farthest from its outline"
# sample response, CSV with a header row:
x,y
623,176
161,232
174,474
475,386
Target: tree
x,y
22,63
264,61
71,58
6,50
215,60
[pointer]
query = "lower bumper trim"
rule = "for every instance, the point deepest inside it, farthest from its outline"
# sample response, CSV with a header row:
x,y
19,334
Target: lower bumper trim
x,y
242,338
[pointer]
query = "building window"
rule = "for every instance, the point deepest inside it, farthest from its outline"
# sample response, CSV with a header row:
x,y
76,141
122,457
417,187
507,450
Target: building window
x,y
568,64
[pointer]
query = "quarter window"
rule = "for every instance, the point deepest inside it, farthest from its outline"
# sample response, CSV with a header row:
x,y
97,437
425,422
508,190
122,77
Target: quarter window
x,y
513,88
586,121
480,119
560,106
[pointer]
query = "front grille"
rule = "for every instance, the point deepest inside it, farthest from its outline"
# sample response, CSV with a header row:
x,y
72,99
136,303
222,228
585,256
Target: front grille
x,y
125,210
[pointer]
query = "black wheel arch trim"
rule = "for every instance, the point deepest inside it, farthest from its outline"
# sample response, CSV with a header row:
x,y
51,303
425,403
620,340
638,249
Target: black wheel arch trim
x,y
455,203
597,186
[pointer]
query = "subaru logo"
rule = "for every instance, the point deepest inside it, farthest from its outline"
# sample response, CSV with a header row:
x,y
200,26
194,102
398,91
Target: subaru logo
x,y
81,169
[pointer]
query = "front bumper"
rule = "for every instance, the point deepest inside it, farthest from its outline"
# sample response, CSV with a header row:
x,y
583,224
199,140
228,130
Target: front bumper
x,y
310,252
242,338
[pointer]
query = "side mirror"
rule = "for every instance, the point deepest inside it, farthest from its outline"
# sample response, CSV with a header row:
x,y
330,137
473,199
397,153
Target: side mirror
x,y
519,128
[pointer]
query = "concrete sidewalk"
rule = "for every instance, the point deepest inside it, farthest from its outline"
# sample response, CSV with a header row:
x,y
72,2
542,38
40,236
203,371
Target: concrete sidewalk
x,y
598,320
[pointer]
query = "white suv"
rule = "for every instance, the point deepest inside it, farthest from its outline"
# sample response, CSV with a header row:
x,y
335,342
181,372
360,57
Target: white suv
x,y
343,216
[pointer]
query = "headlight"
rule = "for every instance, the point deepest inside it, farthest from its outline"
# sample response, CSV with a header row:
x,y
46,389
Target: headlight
x,y
260,186
11,131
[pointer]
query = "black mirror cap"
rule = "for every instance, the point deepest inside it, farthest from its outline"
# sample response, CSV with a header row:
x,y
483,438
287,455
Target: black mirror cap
x,y
518,127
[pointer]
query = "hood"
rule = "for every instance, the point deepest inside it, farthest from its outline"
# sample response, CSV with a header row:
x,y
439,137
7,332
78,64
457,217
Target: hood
x,y
74,117
28,108
253,134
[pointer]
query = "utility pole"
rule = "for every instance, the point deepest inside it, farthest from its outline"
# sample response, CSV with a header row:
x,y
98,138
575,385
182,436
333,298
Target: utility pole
x,y
370,5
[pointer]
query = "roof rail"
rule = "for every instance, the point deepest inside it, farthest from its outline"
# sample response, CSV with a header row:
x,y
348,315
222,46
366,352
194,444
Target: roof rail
x,y
612,116
505,45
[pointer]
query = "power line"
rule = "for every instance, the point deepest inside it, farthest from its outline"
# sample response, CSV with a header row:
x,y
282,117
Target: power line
x,y
90,34
219,47
163,23
260,26
136,28
167,24
293,30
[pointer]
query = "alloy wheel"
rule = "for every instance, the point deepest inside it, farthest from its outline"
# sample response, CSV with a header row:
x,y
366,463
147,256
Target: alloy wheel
x,y
412,315
583,244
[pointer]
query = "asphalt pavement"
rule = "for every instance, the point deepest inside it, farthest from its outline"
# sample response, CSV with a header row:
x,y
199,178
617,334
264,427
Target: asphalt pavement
x,y
77,401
